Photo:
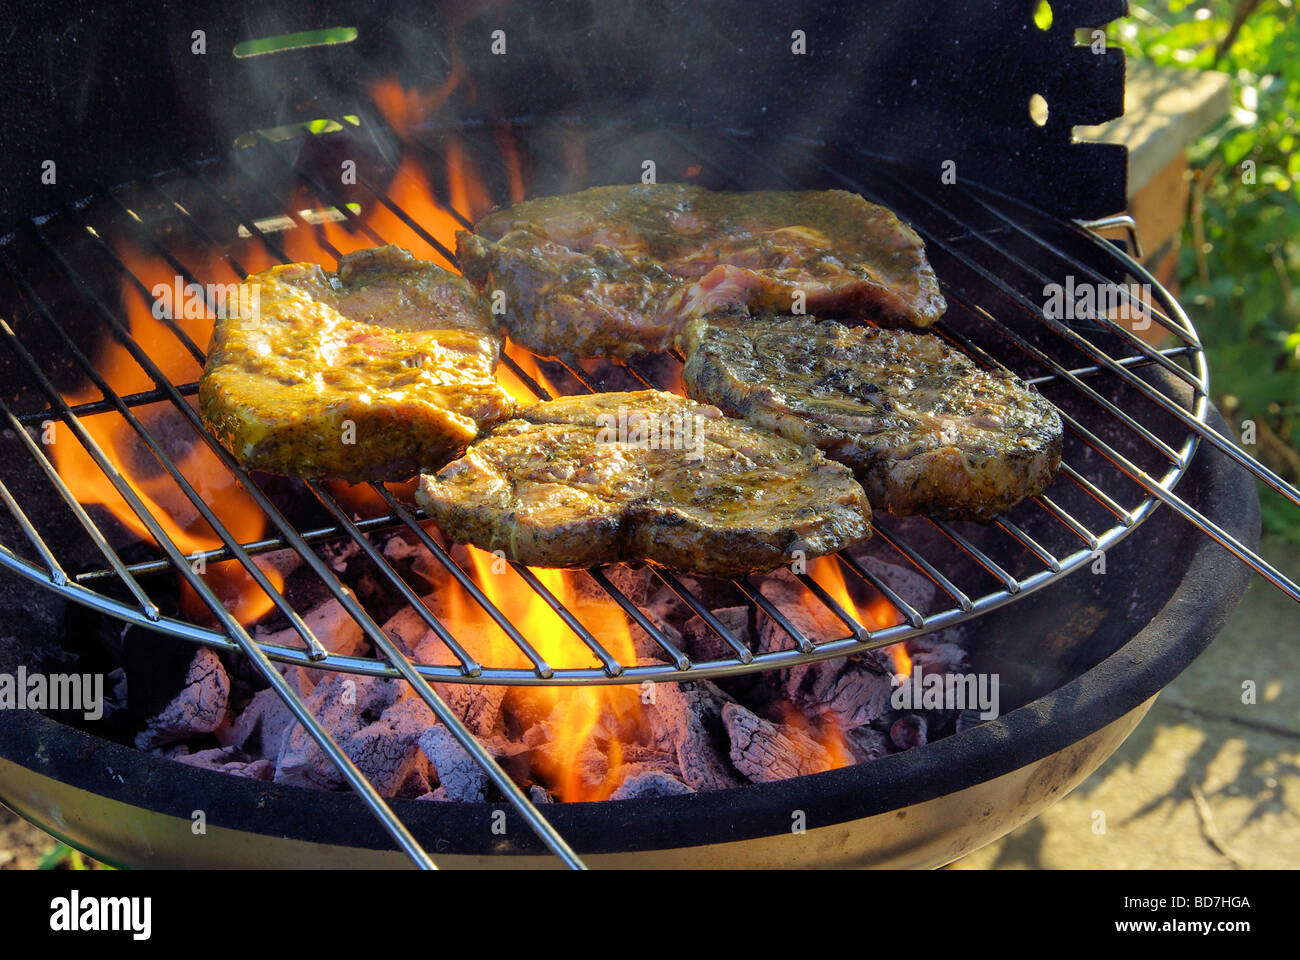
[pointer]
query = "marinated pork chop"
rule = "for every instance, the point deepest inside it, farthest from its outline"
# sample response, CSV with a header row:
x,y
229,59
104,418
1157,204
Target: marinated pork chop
x,y
924,429
645,476
616,271
375,373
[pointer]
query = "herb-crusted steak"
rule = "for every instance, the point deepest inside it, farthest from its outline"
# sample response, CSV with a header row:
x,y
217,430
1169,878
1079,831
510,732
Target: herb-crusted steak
x,y
375,373
616,271
644,476
925,430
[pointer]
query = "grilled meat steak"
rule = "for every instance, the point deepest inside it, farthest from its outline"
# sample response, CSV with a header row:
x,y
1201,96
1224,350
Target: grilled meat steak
x,y
925,430
375,373
646,475
615,271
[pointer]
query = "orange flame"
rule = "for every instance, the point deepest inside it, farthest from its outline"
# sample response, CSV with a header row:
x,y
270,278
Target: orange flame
x,y
132,459
876,612
404,110
585,726
529,365
825,732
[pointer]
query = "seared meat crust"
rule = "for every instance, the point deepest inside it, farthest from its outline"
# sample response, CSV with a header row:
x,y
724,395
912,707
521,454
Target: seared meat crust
x,y
924,429
645,475
375,373
616,271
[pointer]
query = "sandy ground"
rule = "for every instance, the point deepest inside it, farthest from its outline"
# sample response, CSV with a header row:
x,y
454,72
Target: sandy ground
x,y
1205,782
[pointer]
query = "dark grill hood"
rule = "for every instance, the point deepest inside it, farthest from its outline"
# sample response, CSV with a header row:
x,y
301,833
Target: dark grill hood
x,y
106,91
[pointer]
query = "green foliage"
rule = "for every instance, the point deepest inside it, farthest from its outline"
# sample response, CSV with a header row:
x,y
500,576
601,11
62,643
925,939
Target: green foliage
x,y
1240,285
63,857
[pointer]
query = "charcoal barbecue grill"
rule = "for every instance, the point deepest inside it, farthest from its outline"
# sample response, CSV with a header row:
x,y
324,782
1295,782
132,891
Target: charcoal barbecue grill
x,y
1141,434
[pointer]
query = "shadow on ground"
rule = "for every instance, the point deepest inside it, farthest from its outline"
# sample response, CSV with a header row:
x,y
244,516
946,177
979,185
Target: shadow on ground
x,y
1209,779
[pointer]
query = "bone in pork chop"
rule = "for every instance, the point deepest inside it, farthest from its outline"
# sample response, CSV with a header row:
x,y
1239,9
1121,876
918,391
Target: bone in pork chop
x,y
616,271
646,475
924,429
374,373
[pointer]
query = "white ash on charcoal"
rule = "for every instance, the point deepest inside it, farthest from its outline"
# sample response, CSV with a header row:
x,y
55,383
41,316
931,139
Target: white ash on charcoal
x,y
765,752
687,721
702,644
938,665
550,749
635,583
398,547
339,553
649,783
866,743
801,609
260,728
199,707
228,760
459,775
285,561
939,653
912,586
711,593
335,628
409,554
647,648
685,737
387,751
647,772
477,705
849,693
343,704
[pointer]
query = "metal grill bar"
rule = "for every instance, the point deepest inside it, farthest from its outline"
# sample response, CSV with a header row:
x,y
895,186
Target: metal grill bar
x,y
611,665
1160,490
906,551
103,406
910,613
543,669
376,636
147,606
253,547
